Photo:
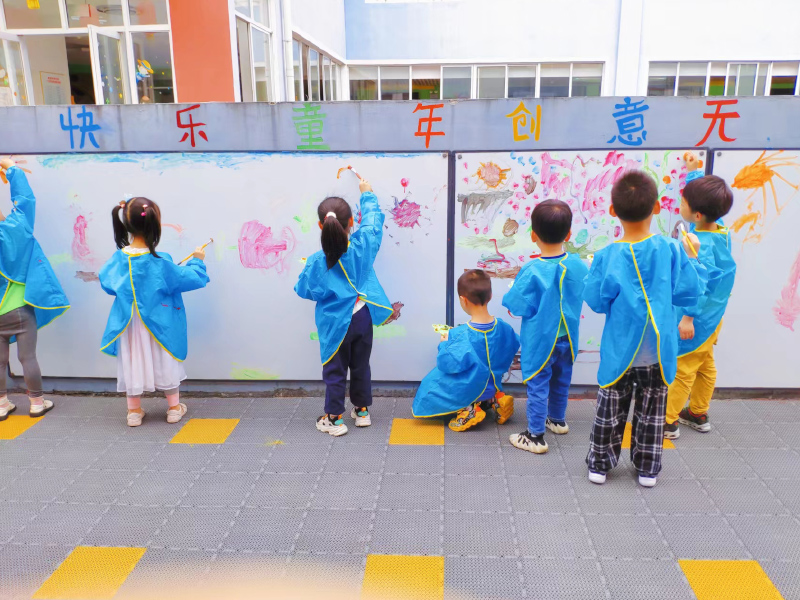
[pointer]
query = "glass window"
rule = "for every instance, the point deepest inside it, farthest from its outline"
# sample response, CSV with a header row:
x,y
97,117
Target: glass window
x,y
297,70
148,12
102,13
522,81
761,80
21,15
306,89
313,73
692,79
335,82
491,82
730,87
326,76
784,79
15,62
11,76
261,64
716,81
242,6
6,93
555,81
456,82
245,66
153,68
394,83
363,83
587,79
261,12
747,79
425,82
110,58
661,80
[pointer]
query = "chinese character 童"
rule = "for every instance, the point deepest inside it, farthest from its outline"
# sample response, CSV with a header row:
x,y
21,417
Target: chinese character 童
x,y
720,116
309,127
190,125
430,120
630,123
87,127
521,116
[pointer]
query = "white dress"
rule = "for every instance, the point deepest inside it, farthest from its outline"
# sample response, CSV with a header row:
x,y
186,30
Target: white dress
x,y
142,364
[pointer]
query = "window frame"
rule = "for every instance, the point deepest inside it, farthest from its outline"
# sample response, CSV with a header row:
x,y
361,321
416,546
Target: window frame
x,y
730,71
335,69
270,33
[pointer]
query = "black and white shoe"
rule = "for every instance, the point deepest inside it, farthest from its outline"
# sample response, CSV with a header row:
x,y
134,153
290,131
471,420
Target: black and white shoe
x,y
697,422
531,443
557,427
332,424
672,431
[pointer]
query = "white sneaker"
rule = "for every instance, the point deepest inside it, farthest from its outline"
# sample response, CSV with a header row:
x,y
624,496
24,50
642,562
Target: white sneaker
x,y
335,428
38,410
135,418
6,409
558,428
647,481
531,443
362,417
176,414
598,478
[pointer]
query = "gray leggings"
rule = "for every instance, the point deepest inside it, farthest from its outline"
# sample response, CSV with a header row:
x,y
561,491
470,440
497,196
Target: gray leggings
x,y
21,322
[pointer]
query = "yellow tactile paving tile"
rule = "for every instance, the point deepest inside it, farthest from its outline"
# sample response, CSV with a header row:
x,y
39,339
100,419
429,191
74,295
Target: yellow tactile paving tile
x,y
205,431
388,577
417,432
90,573
626,439
729,580
16,425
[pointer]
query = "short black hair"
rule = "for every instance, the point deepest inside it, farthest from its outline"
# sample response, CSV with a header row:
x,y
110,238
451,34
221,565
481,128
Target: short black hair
x,y
476,286
710,196
551,221
633,196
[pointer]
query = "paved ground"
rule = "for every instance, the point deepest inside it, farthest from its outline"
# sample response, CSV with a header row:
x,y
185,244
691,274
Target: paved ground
x,y
398,510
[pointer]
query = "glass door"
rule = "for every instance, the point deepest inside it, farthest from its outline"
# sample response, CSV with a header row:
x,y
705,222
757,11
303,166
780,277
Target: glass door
x,y
108,67
13,79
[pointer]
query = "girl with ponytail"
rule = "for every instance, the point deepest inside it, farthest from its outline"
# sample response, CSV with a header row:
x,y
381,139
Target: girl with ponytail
x,y
342,281
146,330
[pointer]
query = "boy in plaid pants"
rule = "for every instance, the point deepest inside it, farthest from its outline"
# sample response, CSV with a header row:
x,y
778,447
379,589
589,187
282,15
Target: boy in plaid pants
x,y
637,282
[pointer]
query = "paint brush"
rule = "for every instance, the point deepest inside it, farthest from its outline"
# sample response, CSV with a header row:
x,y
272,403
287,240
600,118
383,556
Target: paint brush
x,y
203,247
441,328
686,237
350,168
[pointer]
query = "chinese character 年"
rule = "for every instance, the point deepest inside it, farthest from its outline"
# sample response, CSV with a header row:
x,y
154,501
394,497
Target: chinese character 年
x,y
429,120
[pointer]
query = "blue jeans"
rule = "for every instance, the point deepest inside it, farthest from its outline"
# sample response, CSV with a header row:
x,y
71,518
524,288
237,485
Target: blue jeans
x,y
549,390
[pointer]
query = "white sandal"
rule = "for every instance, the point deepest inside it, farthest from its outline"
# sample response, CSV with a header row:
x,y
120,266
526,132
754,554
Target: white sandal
x,y
6,409
38,410
135,418
176,414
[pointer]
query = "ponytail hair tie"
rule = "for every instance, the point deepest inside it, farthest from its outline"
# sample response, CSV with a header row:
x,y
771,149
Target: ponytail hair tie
x,y
331,214
144,210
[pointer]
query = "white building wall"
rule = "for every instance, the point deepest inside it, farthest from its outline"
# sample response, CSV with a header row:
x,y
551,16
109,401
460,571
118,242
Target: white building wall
x,y
322,23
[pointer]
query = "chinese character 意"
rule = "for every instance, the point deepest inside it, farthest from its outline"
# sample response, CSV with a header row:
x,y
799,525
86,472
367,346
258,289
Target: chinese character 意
x,y
87,127
309,127
525,124
190,125
720,116
430,120
630,123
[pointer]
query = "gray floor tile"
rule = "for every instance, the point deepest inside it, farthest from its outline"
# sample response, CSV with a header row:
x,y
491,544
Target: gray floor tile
x,y
785,576
487,579
788,492
520,462
732,411
716,463
99,487
414,460
679,496
614,536
336,531
702,537
183,457
618,497
689,438
26,568
484,434
574,458
542,495
271,408
753,435
674,467
494,537
637,579
76,407
154,488
312,573
282,490
245,574
195,528
62,524
52,429
173,574
337,490
23,453
744,496
349,458
484,461
16,515
774,464
422,492
100,429
222,408
257,432
553,536
478,494
375,434
788,432
408,533
260,530
154,430
769,537
578,435
38,485
73,454
126,526
775,411
248,458
291,458
127,456
220,489
557,579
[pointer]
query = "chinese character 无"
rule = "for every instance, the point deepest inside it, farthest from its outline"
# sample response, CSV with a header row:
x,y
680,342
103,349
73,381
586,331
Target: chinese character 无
x,y
87,127
190,125
308,125
430,120
720,116
630,123
525,124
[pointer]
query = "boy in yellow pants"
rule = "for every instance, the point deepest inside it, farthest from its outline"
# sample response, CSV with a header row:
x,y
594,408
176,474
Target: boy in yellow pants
x,y
705,201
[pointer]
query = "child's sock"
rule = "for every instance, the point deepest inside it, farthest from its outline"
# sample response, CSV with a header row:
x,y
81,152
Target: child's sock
x,y
37,401
134,403
174,399
4,402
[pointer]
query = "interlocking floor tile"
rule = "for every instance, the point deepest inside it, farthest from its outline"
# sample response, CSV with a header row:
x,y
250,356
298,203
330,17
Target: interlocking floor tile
x,y
336,531
716,463
126,526
557,579
259,530
62,524
220,489
194,528
489,579
423,492
732,580
637,580
399,532
682,496
337,490
744,496
769,537
100,487
273,490
492,538
477,494
542,494
26,568
553,536
702,537
624,537
414,460
156,488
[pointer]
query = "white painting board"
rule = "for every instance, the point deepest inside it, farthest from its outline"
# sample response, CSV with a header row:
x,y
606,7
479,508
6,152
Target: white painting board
x,y
496,192
248,323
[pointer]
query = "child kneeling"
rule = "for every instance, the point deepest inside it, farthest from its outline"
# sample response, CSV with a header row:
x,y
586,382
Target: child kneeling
x,y
471,363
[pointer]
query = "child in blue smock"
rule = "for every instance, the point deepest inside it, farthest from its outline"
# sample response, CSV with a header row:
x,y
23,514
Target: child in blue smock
x,y
637,282
471,363
548,295
146,329
705,201
31,296
342,281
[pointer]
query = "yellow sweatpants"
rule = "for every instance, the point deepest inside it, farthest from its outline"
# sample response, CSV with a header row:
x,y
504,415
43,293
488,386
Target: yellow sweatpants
x,y
697,375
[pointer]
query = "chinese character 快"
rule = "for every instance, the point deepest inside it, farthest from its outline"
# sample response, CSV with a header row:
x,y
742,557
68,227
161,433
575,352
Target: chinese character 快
x,y
87,127
630,123
309,127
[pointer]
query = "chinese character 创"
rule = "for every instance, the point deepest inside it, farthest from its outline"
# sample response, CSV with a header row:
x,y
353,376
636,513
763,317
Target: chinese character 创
x,y
429,120
630,123
190,125
524,123
308,125
87,127
720,116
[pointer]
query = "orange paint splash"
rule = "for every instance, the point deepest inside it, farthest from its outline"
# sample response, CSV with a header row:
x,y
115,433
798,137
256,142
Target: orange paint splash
x,y
492,175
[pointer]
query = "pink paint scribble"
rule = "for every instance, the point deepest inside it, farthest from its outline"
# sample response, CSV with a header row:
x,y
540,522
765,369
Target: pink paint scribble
x,y
258,249
594,202
555,186
404,183
175,226
614,158
787,308
80,249
396,308
406,213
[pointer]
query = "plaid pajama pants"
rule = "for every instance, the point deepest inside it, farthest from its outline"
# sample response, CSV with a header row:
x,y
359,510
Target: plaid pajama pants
x,y
649,391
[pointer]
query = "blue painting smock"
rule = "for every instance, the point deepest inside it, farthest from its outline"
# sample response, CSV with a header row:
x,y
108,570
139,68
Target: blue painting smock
x,y
469,362
715,255
22,260
632,283
337,290
548,295
153,287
